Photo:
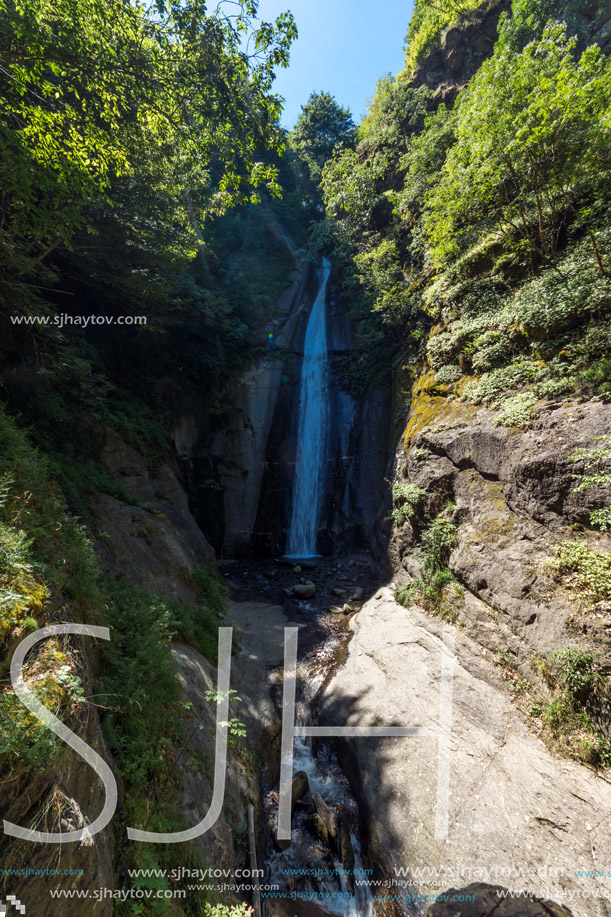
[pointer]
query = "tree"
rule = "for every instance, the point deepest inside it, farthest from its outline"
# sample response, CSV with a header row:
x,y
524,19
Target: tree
x,y
533,136
323,129
98,92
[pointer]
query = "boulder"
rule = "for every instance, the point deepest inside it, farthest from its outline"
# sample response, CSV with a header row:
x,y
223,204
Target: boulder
x,y
346,850
319,829
304,590
301,787
326,814
511,800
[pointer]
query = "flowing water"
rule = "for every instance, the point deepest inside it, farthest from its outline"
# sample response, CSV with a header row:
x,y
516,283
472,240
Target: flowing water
x,y
309,869
310,872
313,429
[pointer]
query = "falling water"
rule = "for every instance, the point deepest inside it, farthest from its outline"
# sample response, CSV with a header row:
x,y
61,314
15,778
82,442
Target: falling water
x,y
313,428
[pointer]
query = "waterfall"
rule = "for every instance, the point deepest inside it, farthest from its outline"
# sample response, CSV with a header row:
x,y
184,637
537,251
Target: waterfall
x,y
313,428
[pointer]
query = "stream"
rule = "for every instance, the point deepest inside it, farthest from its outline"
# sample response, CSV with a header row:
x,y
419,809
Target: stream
x,y
317,873
318,867
321,869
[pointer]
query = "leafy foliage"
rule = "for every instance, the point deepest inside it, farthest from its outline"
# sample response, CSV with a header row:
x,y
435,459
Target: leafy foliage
x,y
487,220
198,624
405,498
596,464
323,129
531,138
586,571
93,90
577,708
437,543
46,551
140,683
129,129
577,673
434,551
224,910
518,411
21,594
529,18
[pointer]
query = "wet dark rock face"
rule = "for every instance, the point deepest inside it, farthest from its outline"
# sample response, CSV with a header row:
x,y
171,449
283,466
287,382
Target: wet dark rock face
x,y
239,471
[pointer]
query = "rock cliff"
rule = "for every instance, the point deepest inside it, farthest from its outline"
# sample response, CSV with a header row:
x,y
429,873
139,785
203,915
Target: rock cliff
x,y
518,809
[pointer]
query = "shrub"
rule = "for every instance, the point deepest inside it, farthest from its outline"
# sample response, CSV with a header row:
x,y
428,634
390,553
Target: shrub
x,y
406,498
550,388
225,910
598,375
432,590
596,473
577,675
198,624
586,572
434,552
533,122
139,682
429,590
601,519
405,594
448,374
437,543
579,703
557,715
518,411
24,741
493,386
21,594
59,548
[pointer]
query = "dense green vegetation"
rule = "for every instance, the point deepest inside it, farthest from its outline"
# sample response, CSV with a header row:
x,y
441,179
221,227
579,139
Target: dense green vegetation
x,y
431,18
433,554
473,246
162,100
594,469
128,131
576,716
486,221
48,572
141,170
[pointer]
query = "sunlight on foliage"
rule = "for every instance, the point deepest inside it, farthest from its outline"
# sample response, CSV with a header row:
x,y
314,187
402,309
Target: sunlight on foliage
x,y
586,572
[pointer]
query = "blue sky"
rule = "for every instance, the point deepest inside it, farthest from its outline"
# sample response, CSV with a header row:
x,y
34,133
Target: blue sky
x,y
344,46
